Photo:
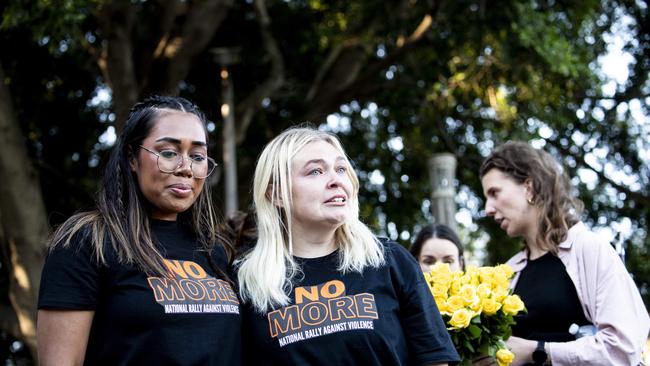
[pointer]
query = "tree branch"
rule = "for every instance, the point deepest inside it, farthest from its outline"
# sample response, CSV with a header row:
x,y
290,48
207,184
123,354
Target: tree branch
x,y
203,20
274,81
116,20
345,79
639,197
159,34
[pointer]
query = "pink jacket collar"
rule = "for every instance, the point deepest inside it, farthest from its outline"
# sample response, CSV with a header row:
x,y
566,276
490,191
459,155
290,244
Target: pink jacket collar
x,y
519,260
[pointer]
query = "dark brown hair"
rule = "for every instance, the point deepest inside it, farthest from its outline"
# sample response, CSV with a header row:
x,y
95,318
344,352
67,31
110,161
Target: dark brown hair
x,y
559,210
122,214
437,231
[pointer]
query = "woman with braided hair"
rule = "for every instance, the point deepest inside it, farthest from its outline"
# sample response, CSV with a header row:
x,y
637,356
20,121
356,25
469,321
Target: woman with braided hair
x,y
142,278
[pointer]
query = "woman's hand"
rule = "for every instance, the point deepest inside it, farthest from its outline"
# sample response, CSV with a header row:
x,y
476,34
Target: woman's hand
x,y
62,336
484,361
523,350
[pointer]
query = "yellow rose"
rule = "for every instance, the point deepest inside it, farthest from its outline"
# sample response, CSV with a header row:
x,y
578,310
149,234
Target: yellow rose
x,y
502,285
442,278
504,357
439,290
486,274
442,305
454,303
471,276
440,268
500,278
484,290
468,293
477,305
454,287
507,269
490,307
461,318
499,294
436,270
512,305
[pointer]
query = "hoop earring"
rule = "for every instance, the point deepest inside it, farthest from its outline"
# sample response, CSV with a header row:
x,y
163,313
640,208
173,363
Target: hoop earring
x,y
530,201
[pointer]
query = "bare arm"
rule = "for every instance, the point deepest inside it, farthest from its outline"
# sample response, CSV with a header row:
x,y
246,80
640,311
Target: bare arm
x,y
62,336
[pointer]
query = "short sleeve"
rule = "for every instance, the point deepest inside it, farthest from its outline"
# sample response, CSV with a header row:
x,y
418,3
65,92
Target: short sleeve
x,y
425,332
70,277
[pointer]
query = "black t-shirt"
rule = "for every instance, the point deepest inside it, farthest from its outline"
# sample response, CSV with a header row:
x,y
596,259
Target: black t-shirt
x,y
551,300
383,316
192,318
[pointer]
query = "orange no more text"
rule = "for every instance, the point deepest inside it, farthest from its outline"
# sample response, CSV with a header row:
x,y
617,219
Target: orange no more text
x,y
189,281
293,318
184,269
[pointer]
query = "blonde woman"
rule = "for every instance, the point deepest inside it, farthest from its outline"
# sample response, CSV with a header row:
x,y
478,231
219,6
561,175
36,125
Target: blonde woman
x,y
318,287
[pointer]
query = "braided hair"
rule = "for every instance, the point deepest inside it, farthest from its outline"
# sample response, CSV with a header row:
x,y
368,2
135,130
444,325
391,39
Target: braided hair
x,y
122,215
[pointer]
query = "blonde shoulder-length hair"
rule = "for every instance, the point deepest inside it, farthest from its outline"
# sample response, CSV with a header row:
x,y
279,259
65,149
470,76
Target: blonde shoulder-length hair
x,y
266,273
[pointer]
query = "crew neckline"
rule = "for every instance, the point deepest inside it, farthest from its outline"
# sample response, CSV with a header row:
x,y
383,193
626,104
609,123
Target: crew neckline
x,y
538,259
163,223
324,258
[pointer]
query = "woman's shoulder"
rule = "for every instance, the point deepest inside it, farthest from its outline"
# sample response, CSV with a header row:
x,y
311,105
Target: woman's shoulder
x,y
395,251
220,255
581,239
76,231
81,234
387,244
517,260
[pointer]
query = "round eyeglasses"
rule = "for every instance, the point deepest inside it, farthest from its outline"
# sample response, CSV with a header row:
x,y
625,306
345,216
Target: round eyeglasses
x,y
169,160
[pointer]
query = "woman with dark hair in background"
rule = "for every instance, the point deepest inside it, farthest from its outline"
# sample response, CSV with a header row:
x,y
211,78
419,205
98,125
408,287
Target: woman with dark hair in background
x,y
566,275
438,243
141,279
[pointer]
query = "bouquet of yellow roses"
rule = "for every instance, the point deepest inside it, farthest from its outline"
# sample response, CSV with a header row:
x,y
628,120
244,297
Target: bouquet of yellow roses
x,y
478,309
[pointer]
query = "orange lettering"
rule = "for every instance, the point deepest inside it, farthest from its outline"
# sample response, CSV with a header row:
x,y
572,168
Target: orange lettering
x,y
165,289
175,266
227,290
366,306
342,306
311,294
194,269
314,313
193,289
282,320
339,288
213,289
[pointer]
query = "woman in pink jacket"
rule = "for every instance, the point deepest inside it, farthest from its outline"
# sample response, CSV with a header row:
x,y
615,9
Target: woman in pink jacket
x,y
567,276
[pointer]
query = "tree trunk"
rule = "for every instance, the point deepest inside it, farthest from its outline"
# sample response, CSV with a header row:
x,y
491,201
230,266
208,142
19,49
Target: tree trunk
x,y
23,219
117,22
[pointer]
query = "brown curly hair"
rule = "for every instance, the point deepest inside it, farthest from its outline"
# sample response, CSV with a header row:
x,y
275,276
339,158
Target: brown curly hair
x,y
559,209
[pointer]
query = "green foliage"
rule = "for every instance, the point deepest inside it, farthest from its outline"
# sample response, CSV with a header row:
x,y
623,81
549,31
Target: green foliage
x,y
481,74
482,331
57,23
